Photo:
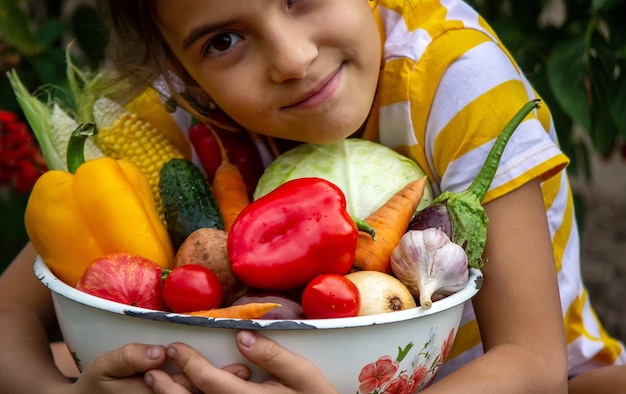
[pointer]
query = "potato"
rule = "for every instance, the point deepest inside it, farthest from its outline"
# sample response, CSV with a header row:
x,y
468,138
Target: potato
x,y
289,308
207,247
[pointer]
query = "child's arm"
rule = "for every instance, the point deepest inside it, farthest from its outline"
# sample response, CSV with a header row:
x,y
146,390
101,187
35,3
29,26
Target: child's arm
x,y
518,308
26,363
26,315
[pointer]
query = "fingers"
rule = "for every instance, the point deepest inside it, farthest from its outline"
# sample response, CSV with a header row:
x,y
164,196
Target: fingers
x,y
127,361
294,374
161,382
120,370
294,371
200,373
268,355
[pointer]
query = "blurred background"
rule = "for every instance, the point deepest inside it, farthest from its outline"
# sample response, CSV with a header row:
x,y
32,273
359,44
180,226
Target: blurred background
x,y
574,52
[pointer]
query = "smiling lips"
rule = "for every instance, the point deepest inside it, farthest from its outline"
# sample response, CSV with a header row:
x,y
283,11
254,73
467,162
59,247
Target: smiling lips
x,y
320,94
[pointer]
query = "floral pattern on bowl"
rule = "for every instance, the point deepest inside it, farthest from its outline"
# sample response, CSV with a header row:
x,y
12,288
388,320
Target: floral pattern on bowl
x,y
386,376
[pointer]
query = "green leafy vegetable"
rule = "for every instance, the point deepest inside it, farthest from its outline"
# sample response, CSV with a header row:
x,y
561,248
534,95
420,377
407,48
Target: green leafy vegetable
x,y
368,173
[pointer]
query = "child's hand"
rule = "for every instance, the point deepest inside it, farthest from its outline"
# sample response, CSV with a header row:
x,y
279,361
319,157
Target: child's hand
x,y
121,370
293,373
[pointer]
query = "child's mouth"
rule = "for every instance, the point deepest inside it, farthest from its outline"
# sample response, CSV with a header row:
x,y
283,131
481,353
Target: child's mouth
x,y
322,93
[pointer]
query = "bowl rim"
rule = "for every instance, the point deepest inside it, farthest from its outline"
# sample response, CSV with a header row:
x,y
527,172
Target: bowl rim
x,y
60,288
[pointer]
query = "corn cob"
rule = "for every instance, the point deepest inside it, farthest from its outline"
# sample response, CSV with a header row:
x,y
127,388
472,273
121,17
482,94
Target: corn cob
x,y
137,141
150,108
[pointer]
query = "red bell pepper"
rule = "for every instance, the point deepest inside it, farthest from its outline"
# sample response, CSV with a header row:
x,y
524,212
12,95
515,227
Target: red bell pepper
x,y
240,148
293,234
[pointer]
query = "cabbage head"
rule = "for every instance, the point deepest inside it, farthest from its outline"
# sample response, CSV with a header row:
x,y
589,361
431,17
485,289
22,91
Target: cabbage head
x,y
368,173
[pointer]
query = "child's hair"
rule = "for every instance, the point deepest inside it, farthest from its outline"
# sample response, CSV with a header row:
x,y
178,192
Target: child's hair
x,y
140,55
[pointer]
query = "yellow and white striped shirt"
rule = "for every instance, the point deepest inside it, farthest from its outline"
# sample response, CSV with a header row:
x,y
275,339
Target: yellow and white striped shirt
x,y
447,88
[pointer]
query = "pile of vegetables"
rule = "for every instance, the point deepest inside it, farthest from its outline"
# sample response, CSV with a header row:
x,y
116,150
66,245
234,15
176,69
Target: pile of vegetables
x,y
333,230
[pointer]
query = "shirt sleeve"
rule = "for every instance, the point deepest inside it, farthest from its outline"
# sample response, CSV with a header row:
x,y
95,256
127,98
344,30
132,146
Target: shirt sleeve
x,y
477,95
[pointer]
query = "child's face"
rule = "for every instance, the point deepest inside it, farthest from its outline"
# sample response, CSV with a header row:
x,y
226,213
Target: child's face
x,y
304,70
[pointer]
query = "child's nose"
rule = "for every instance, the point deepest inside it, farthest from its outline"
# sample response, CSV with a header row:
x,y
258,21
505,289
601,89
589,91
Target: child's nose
x,y
290,54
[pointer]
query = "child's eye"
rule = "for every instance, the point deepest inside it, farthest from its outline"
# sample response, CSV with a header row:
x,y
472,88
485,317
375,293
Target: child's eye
x,y
222,43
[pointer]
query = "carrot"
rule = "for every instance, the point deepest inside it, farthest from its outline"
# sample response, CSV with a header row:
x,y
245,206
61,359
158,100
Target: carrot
x,y
253,310
390,222
229,187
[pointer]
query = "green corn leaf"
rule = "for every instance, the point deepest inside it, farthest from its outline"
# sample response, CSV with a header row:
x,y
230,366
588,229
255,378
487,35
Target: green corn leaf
x,y
38,116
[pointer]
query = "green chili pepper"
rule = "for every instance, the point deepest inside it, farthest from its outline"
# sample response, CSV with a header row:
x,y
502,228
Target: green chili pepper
x,y
461,215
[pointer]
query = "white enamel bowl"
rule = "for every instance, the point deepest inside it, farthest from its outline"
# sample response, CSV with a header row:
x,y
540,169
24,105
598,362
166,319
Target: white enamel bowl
x,y
350,351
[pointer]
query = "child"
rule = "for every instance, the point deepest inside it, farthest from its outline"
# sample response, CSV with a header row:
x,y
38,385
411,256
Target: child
x,y
427,78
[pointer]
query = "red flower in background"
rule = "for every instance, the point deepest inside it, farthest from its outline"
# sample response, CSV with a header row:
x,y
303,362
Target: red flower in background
x,y
21,161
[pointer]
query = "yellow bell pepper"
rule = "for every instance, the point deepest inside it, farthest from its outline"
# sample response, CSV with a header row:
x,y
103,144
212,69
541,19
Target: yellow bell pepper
x,y
105,207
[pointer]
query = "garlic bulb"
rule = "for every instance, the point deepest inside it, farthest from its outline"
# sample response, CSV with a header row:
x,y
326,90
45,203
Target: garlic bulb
x,y
430,265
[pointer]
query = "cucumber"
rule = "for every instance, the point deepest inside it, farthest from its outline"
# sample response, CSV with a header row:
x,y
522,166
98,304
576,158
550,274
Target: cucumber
x,y
188,202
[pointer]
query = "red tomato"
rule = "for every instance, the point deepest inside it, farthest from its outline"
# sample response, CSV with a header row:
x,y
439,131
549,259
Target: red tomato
x,y
192,287
329,296
128,279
